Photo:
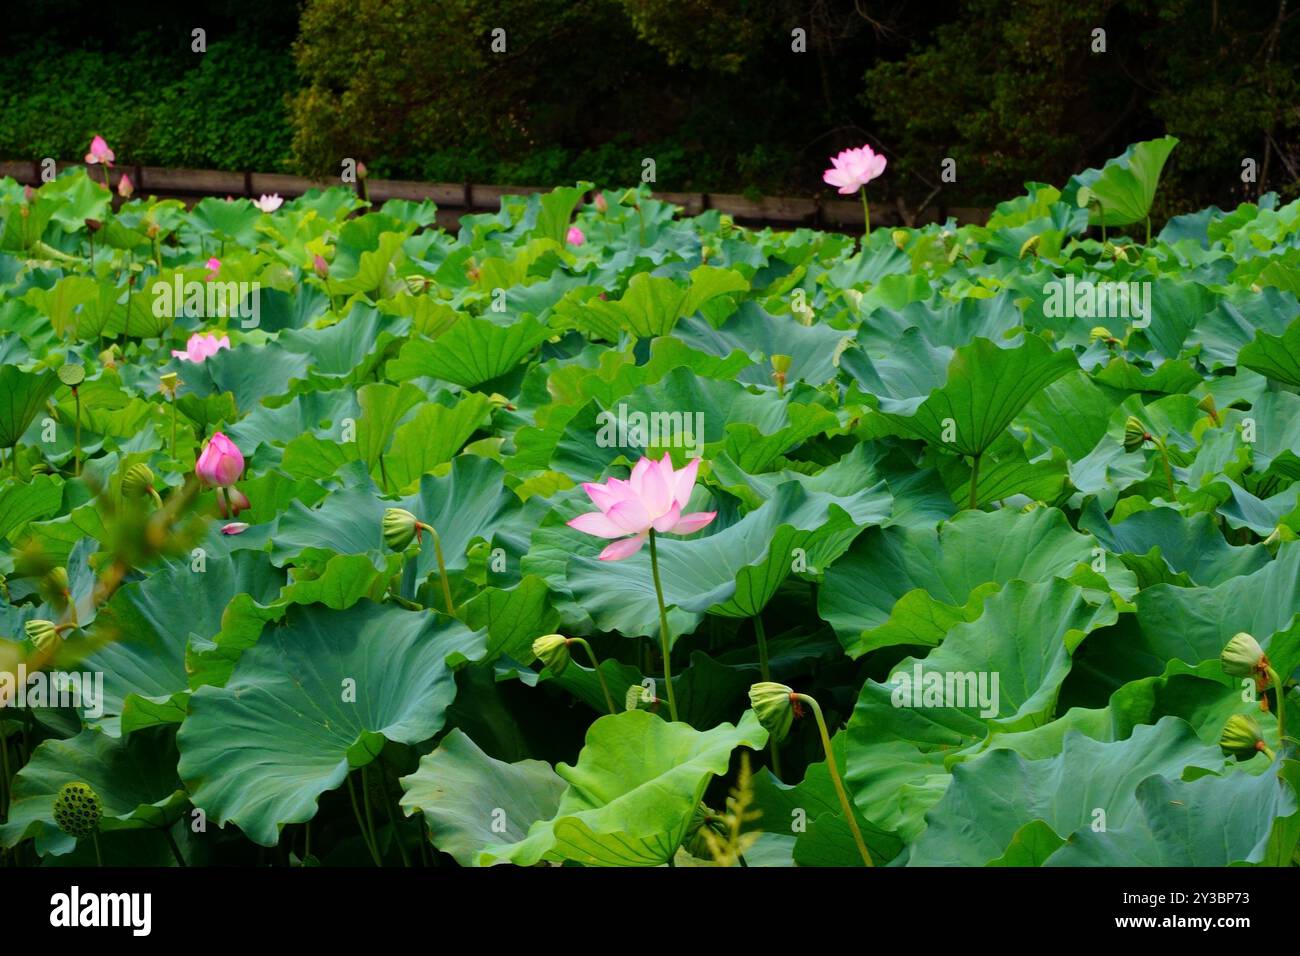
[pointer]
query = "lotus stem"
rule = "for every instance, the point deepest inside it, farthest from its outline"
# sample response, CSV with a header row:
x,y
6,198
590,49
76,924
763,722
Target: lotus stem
x,y
1281,704
442,566
99,857
663,627
845,805
176,850
1169,472
76,467
974,482
1148,242
4,772
361,824
392,818
765,670
866,217
609,700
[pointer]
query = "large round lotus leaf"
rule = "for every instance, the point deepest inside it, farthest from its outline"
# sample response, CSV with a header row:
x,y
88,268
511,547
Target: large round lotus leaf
x,y
134,777
315,697
632,792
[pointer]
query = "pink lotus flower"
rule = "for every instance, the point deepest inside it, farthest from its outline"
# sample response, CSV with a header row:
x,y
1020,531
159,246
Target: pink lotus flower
x,y
200,347
652,497
125,187
221,463
99,153
853,169
269,203
235,527
321,267
575,236
213,266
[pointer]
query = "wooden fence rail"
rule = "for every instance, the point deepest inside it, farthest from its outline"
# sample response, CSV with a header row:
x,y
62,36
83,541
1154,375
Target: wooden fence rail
x,y
457,199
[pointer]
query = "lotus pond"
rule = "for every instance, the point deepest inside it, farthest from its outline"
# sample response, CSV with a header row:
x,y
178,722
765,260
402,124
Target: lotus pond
x,y
596,535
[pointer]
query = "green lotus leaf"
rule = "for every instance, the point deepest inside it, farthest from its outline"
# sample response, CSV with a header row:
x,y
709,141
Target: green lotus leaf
x,y
316,697
22,394
1126,186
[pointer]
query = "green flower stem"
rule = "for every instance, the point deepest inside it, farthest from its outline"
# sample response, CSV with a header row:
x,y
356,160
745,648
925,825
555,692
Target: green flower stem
x,y
866,217
974,483
1148,242
1169,472
663,627
392,818
609,701
176,850
361,823
442,567
173,428
76,395
4,772
835,777
1281,704
99,857
766,671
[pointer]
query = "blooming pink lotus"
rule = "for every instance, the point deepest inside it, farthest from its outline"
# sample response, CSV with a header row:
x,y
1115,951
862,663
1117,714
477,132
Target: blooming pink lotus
x,y
853,169
125,187
651,498
200,347
269,203
219,467
99,153
575,236
213,266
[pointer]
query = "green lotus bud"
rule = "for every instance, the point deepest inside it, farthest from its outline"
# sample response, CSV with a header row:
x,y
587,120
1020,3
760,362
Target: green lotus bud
x,y
41,632
41,468
553,651
695,844
138,481
774,706
1242,737
726,225
1135,434
78,810
1207,405
900,237
1243,657
781,363
400,528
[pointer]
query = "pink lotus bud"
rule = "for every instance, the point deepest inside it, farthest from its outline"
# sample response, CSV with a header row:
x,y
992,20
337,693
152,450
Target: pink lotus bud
x,y
320,265
235,527
125,187
232,502
362,172
602,205
28,193
99,153
221,463
575,236
213,266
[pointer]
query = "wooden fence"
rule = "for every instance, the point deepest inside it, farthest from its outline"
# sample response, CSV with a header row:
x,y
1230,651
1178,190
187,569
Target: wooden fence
x,y
457,199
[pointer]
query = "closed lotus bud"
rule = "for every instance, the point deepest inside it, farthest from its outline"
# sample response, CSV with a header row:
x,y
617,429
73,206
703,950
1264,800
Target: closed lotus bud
x,y
138,481
321,267
1243,657
781,363
602,204
78,810
696,845
400,528
726,225
1242,738
1030,246
1135,434
1207,405
57,581
94,225
553,651
41,468
774,707
900,238
41,633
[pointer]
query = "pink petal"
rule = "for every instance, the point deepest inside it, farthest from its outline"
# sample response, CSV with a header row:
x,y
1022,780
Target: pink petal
x,y
624,548
595,523
684,482
666,521
607,496
235,527
692,522
657,487
631,516
636,481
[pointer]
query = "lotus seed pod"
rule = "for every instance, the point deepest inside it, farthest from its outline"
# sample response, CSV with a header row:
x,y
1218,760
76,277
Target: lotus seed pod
x,y
78,810
169,382
1242,737
1243,657
1135,434
41,632
774,707
553,651
400,528
72,374
138,481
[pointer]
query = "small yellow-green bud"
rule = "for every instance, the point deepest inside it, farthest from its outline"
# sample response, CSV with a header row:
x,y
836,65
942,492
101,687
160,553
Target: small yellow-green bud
x,y
553,651
400,528
1243,657
1135,434
138,481
1242,737
773,704
41,632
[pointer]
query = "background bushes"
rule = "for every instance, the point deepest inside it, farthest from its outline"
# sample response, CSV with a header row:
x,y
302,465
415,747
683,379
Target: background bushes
x,y
708,88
